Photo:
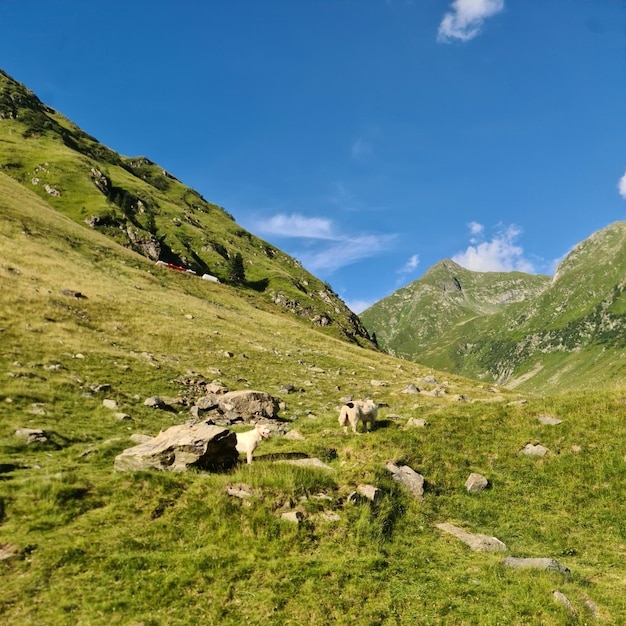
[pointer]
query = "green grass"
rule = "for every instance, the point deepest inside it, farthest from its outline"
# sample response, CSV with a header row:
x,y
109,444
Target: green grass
x,y
99,547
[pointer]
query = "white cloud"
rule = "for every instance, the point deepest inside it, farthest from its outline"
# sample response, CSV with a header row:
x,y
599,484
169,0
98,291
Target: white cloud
x,y
466,19
325,249
500,254
358,306
296,225
622,186
410,265
348,250
476,230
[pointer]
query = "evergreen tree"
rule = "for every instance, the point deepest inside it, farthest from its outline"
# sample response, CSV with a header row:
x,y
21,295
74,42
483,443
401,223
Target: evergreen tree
x,y
236,270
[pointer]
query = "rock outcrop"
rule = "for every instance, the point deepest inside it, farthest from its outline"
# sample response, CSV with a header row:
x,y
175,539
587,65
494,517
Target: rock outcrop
x,y
201,445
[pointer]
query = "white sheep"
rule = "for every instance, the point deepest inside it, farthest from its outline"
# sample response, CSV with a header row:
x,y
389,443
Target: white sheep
x,y
365,411
249,440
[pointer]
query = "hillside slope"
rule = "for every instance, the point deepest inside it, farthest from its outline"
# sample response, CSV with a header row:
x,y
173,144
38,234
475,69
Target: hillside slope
x,y
530,331
143,207
83,319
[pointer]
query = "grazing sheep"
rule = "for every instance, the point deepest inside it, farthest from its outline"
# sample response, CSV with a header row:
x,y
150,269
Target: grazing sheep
x,y
248,441
352,413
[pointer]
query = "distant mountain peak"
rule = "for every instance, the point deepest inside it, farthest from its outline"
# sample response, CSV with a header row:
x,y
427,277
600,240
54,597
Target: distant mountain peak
x,y
513,328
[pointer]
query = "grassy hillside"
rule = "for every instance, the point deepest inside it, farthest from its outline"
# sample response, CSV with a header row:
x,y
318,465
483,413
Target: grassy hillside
x,y
92,546
143,207
523,331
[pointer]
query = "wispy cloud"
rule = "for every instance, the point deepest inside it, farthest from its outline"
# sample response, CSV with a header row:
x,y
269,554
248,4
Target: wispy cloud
x,y
621,186
324,247
296,225
500,254
410,265
348,250
476,231
466,19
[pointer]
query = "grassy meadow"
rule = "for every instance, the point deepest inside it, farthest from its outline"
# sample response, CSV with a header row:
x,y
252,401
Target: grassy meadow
x,y
98,547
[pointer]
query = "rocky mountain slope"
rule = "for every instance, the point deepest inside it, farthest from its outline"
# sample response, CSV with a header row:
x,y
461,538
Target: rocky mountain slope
x,y
531,331
145,208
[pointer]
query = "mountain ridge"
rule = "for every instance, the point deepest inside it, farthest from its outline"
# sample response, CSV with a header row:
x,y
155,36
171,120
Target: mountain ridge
x,y
502,327
147,209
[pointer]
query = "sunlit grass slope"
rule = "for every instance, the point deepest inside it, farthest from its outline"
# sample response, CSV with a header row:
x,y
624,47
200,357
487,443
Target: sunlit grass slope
x,y
143,207
98,547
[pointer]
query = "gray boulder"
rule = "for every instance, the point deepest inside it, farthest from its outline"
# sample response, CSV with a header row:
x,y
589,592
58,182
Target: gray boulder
x,y
476,483
476,542
248,403
33,435
201,445
534,450
409,478
372,493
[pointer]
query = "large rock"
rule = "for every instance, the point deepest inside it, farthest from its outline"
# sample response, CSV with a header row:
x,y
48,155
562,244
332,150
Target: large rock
x,y
408,477
248,403
476,542
201,445
476,483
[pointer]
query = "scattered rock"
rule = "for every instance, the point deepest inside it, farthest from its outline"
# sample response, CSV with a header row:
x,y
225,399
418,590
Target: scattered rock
x,y
292,516
374,494
294,435
416,422
249,404
546,419
123,417
33,435
155,402
563,600
379,383
239,492
408,477
73,294
216,388
542,564
534,450
476,542
109,404
411,389
9,551
287,389
206,403
201,445
50,190
476,483
99,388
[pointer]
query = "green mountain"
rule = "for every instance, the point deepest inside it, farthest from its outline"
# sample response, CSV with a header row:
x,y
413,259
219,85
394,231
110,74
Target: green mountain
x,y
528,331
143,207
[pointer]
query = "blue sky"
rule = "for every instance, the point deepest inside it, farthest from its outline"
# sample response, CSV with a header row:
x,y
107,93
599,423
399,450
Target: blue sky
x,y
369,139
